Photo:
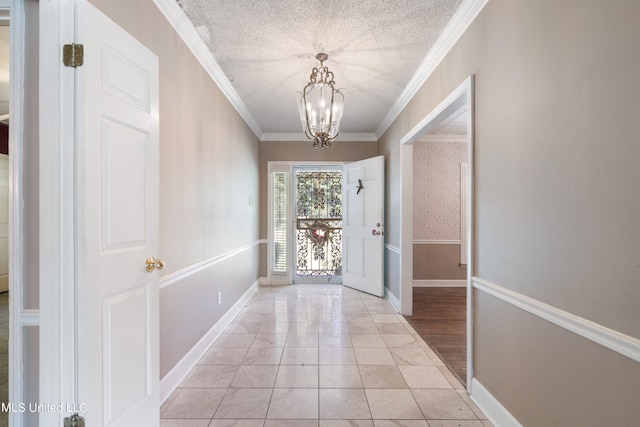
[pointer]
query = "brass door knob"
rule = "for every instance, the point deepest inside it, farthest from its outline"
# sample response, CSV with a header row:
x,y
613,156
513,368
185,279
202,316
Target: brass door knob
x,y
152,263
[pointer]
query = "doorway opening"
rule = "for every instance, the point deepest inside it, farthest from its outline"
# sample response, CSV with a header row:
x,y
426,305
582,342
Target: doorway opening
x,y
445,289
318,224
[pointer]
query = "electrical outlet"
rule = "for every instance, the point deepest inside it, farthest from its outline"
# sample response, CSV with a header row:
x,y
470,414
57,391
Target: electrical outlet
x,y
219,298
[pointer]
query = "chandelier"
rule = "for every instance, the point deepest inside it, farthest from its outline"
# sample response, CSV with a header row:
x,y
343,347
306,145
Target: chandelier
x,y
321,106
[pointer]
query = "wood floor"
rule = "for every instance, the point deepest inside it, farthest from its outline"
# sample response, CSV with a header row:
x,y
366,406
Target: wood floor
x,y
439,316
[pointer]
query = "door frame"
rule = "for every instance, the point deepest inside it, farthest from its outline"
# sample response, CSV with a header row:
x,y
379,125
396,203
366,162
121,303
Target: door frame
x,y
57,180
288,167
463,94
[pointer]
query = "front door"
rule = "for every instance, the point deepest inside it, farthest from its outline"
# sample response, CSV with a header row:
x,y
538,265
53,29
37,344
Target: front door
x,y
318,224
118,225
362,226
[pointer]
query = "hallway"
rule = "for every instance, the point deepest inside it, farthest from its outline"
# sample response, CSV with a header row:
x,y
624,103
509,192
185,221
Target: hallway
x,y
319,355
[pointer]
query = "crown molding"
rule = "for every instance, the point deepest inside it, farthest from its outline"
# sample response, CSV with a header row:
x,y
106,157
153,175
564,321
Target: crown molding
x,y
464,16
187,32
300,137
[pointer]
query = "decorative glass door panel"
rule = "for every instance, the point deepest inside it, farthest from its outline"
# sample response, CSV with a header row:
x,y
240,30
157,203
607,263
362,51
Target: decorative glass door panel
x,y
318,223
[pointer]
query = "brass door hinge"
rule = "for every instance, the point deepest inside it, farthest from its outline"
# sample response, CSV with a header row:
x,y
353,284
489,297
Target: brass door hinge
x,y
74,420
72,55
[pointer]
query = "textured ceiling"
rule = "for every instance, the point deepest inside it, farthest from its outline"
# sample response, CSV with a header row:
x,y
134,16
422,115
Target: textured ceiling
x,y
267,49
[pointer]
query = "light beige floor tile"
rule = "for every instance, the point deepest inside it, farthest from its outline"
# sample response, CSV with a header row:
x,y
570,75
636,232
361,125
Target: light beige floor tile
x,y
334,340
224,356
299,356
301,337
400,340
296,376
236,423
346,423
367,340
282,403
442,404
195,403
310,327
455,423
381,377
343,404
251,317
274,328
465,397
379,308
340,376
337,356
263,356
168,401
185,423
424,377
354,307
401,423
373,356
357,318
291,423
410,357
453,380
211,376
362,328
335,327
234,340
302,340
244,403
392,328
255,376
243,328
269,340
385,318
393,404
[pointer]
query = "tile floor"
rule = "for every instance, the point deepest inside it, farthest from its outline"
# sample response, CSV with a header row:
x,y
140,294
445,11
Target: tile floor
x,y
321,356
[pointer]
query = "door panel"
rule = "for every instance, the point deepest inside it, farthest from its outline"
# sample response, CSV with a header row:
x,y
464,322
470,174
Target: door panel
x,y
124,195
118,216
363,212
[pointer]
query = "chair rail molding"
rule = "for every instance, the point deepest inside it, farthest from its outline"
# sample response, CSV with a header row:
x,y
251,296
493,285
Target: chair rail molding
x,y
623,344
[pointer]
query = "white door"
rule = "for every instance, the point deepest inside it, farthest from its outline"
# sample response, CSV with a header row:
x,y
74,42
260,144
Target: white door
x,y
118,225
362,225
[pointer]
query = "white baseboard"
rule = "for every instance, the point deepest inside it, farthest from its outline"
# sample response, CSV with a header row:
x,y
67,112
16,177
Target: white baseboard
x,y
439,283
170,381
392,300
492,408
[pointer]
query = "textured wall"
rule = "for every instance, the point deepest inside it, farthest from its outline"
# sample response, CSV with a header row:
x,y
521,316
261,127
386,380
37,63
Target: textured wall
x,y
436,189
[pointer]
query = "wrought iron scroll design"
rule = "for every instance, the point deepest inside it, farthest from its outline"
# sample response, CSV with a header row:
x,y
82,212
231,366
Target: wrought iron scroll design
x,y
319,223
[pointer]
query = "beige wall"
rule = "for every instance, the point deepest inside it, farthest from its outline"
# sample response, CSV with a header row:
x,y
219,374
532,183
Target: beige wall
x,y
340,151
556,200
437,262
208,174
